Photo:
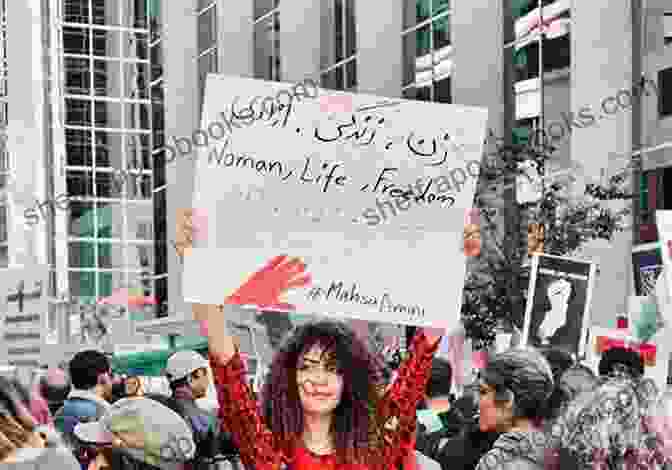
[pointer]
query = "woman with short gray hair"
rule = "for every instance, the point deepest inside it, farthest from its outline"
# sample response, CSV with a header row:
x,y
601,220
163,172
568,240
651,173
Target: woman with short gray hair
x,y
515,387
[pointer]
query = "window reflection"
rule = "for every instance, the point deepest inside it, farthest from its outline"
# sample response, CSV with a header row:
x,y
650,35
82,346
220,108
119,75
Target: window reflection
x,y
78,147
110,255
138,152
136,77
135,45
109,220
109,184
139,222
108,114
76,40
107,78
76,11
109,149
81,255
106,12
80,219
137,116
140,257
77,76
82,284
78,112
79,183
106,43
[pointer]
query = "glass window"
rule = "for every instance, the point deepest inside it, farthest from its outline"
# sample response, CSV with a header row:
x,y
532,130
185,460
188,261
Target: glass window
x,y
136,11
156,52
110,255
110,282
106,12
81,255
80,219
78,148
207,29
140,257
77,76
77,112
108,114
135,45
110,184
441,32
106,43
82,284
136,80
76,40
139,186
76,11
110,220
140,221
154,15
138,153
665,90
109,149
107,78
137,116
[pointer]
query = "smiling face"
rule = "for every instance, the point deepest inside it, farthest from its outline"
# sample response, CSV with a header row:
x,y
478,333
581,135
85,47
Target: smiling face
x,y
319,381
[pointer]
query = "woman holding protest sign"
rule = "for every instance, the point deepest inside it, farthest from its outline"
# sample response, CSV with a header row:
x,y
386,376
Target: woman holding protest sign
x,y
329,407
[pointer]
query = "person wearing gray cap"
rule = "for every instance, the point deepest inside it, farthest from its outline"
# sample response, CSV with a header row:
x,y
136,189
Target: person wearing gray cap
x,y
187,373
146,433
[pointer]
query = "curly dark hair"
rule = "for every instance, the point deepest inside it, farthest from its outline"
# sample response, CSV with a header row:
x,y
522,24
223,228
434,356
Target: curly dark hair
x,y
353,426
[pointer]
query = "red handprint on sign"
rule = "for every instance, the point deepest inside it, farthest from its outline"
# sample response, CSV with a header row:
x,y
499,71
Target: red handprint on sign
x,y
266,287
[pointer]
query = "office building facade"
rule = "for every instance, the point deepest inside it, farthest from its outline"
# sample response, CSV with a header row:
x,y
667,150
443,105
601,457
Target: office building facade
x,y
452,52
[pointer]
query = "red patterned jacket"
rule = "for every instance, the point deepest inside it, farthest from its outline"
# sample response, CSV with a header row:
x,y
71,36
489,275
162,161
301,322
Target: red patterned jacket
x,y
262,450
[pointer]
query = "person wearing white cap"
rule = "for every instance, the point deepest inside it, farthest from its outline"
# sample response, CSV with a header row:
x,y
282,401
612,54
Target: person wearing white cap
x,y
187,373
140,430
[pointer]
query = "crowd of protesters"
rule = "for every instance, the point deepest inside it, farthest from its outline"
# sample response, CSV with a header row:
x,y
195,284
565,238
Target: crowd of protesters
x,y
330,402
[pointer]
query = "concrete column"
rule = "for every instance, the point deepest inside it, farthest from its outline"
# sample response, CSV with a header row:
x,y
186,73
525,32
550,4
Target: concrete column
x,y
25,130
601,67
181,108
379,47
477,78
300,39
235,34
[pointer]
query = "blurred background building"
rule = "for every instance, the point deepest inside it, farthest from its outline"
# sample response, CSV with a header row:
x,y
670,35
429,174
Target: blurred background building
x,y
90,91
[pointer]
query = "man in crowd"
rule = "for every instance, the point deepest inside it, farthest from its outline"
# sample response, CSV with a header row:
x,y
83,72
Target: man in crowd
x,y
439,421
187,373
621,361
91,377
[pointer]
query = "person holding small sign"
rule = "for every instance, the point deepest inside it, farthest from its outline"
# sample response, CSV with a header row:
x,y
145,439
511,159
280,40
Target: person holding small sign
x,y
330,409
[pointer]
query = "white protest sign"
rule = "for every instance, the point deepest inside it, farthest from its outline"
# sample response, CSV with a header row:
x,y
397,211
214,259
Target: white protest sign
x,y
23,314
664,222
372,201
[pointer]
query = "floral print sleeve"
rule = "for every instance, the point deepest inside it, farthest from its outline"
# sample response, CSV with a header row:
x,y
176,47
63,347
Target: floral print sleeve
x,y
397,409
239,414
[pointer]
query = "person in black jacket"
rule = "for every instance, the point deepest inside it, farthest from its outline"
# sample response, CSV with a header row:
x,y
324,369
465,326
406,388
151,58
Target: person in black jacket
x,y
437,410
462,451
